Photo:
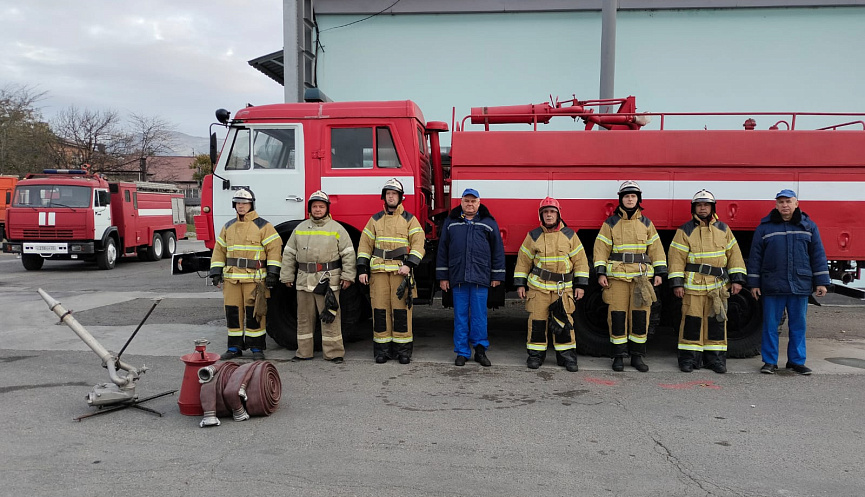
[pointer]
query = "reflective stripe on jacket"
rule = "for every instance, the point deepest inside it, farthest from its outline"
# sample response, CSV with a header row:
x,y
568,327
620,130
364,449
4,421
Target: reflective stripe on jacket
x,y
389,231
557,250
713,245
637,235
317,241
253,238
470,251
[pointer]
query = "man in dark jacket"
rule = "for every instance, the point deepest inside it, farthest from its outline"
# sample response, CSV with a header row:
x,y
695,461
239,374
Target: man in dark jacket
x,y
786,264
471,258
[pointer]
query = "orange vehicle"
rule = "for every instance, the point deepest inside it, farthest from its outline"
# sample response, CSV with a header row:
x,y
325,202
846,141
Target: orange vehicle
x,y
7,184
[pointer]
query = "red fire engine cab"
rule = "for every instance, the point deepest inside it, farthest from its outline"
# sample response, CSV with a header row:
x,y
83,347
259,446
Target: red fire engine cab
x,y
71,214
285,152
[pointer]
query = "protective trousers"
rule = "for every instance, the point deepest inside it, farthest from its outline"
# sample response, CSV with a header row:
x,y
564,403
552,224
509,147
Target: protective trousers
x,y
391,319
629,324
244,330
773,310
309,305
702,338
538,306
470,318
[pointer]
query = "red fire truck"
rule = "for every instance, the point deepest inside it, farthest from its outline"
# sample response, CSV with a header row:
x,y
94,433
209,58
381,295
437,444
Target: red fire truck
x,y
7,184
349,149
71,214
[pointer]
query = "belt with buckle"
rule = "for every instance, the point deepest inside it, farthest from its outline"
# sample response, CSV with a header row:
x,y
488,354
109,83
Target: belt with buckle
x,y
314,267
706,269
630,258
243,263
551,276
395,254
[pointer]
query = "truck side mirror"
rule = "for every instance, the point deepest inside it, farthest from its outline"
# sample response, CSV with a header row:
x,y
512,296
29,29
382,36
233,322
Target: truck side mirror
x,y
213,149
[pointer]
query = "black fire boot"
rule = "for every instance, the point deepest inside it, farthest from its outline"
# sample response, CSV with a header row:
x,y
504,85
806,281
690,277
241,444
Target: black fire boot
x,y
716,360
687,360
568,359
618,364
481,356
381,352
536,358
638,364
403,351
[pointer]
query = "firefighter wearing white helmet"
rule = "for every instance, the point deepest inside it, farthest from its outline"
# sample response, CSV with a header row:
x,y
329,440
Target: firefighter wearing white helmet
x,y
246,259
552,271
391,245
705,262
319,261
629,261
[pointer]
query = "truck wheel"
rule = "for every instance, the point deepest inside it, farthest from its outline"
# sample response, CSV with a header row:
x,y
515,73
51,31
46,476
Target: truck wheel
x,y
744,325
32,262
107,258
169,244
590,323
154,251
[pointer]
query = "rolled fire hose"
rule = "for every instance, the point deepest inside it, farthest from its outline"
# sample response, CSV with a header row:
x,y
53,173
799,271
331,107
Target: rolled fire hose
x,y
253,389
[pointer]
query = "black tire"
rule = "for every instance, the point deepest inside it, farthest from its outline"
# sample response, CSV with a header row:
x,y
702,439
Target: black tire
x,y
107,258
154,251
32,262
282,316
355,312
169,244
590,323
744,325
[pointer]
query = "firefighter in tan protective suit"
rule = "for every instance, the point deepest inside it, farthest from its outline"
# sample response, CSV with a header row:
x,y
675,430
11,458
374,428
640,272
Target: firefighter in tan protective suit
x,y
629,260
553,265
705,260
318,255
246,259
391,245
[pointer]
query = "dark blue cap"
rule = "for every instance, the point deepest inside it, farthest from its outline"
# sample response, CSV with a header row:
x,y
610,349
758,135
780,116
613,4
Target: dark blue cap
x,y
786,192
471,191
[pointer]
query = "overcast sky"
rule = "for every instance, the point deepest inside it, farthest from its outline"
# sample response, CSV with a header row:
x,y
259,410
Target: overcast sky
x,y
178,60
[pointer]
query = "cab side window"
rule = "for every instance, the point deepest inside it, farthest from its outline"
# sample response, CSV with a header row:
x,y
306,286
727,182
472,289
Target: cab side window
x,y
363,148
238,159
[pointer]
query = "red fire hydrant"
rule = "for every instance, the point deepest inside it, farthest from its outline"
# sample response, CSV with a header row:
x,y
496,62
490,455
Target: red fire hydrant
x,y
190,390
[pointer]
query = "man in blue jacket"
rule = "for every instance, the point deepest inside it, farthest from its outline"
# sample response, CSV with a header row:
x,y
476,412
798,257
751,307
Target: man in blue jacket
x,y
786,264
471,259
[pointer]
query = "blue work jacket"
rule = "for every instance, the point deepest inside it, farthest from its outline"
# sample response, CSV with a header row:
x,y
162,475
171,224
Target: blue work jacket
x,y
787,257
470,251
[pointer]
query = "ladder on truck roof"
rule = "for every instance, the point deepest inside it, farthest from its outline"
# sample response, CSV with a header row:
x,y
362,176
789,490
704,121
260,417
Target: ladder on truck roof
x,y
150,186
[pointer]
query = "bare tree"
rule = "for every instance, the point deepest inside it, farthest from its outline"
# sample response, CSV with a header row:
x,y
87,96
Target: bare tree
x,y
24,139
89,137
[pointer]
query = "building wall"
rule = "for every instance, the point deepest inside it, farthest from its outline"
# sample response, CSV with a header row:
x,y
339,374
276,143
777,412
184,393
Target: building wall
x,y
778,59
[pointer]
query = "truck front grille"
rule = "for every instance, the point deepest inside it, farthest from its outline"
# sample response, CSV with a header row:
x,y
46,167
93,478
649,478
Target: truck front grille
x,y
48,234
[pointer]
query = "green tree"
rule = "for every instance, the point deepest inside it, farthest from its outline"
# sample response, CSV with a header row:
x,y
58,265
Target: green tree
x,y
202,167
25,141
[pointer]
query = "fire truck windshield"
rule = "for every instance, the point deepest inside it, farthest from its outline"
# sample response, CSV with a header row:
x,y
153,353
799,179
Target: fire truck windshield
x,y
52,196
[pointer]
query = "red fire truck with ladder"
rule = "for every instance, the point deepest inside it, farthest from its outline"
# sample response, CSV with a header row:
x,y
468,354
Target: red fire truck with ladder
x,y
285,152
72,214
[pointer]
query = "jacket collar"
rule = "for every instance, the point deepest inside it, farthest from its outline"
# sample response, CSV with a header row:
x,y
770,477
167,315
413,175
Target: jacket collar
x,y
249,216
775,217
320,222
457,212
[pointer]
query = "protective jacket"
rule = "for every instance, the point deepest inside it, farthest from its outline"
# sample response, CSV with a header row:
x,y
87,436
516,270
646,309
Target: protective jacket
x,y
787,257
470,251
390,240
633,238
246,250
558,251
318,242
713,248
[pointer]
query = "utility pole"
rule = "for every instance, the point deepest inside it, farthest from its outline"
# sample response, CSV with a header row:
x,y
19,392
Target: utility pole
x,y
608,51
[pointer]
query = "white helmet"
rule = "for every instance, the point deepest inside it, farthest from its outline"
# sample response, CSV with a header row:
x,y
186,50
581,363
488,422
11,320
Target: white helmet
x,y
392,184
243,196
629,186
318,196
703,196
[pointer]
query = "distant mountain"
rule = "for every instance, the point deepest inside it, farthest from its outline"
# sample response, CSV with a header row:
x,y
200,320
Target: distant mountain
x,y
188,146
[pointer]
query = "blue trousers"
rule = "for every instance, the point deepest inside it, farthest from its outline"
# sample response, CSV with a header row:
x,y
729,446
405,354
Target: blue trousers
x,y
470,318
773,311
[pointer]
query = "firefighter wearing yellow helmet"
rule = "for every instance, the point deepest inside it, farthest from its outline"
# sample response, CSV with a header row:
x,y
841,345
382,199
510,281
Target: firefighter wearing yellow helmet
x,y
391,245
319,261
246,259
705,261
552,265
629,260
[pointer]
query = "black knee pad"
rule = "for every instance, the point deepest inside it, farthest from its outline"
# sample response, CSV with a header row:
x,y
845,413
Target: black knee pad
x,y
639,323
379,320
693,327
715,330
539,331
232,316
251,322
618,323
400,321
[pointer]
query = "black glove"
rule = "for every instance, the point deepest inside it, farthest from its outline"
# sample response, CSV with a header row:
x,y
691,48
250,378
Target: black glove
x,y
216,279
558,322
404,290
271,280
331,305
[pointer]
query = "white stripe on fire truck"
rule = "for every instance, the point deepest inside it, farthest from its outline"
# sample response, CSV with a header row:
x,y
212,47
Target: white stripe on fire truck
x,y
46,218
154,212
360,185
662,190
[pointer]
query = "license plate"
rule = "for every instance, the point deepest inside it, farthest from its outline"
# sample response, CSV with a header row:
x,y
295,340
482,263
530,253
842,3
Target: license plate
x,y
46,248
